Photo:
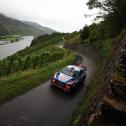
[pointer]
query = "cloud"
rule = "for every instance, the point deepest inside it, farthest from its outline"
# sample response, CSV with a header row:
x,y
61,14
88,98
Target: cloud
x,y
61,15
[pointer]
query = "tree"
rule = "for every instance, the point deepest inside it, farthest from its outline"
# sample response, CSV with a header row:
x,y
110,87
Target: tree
x,y
112,11
84,33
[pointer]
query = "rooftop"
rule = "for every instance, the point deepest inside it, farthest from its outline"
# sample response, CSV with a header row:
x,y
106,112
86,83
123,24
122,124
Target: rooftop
x,y
77,68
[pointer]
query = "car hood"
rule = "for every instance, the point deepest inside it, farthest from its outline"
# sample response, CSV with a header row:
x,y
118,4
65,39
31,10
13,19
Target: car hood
x,y
63,77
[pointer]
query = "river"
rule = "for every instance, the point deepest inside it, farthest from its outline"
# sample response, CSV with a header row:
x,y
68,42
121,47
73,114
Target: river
x,y
11,48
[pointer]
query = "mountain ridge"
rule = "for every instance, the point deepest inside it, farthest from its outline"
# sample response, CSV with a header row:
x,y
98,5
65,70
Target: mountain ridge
x,y
37,25
10,25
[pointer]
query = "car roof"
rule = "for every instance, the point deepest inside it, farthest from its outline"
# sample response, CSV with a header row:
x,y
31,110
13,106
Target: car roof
x,y
77,68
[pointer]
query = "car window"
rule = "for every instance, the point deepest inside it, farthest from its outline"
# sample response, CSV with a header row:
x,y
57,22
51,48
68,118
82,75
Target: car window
x,y
81,72
69,72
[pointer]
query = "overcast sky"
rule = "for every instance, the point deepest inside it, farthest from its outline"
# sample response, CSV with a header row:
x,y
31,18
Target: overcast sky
x,y
61,15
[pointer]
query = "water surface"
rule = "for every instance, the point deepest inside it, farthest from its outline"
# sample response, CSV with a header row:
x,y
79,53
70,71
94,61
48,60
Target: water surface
x,y
11,48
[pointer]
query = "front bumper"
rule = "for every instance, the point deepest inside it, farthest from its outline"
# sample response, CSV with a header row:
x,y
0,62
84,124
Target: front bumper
x,y
64,87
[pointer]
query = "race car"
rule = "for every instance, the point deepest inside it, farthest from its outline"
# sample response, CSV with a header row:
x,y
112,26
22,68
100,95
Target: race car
x,y
69,77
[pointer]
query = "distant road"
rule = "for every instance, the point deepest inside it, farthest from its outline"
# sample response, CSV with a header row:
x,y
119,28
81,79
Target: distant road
x,y
44,106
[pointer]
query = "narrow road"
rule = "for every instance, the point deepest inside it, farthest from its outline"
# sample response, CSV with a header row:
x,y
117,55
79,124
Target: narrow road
x,y
44,106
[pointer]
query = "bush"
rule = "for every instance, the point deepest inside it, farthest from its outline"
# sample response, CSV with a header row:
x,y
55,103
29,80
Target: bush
x,y
97,33
84,33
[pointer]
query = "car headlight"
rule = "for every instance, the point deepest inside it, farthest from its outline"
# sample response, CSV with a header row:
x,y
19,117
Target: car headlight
x,y
69,83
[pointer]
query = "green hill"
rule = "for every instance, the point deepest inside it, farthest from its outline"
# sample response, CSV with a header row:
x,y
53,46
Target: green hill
x,y
38,26
13,26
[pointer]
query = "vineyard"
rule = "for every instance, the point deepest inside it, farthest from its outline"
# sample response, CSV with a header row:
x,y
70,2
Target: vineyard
x,y
32,66
44,38
41,52
16,63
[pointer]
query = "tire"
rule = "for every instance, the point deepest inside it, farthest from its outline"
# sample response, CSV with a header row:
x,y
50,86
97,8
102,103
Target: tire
x,y
51,86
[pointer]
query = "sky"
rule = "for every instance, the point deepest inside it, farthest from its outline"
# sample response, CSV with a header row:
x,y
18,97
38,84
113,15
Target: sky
x,y
60,15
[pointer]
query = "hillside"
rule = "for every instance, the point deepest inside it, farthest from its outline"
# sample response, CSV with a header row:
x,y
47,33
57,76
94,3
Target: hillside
x,y
13,26
38,26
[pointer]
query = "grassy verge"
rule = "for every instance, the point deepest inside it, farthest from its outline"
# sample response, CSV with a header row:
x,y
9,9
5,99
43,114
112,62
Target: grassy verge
x,y
20,82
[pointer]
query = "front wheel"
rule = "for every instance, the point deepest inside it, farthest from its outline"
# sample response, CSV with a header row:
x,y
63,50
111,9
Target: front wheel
x,y
51,85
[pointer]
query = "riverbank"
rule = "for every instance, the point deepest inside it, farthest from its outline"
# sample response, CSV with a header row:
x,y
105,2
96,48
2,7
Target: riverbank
x,y
9,39
12,48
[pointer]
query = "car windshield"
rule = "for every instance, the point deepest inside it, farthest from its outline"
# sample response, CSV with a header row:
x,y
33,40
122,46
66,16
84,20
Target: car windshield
x,y
70,72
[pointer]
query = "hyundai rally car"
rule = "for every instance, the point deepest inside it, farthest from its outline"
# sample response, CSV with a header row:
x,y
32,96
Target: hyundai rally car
x,y
69,77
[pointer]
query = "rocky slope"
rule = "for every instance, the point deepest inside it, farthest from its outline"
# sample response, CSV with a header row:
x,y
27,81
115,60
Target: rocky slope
x,y
110,108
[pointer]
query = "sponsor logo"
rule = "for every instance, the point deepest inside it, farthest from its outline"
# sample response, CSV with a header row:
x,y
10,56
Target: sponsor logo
x,y
63,78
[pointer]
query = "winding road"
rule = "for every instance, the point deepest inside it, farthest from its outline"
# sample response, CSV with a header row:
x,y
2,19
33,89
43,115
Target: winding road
x,y
45,106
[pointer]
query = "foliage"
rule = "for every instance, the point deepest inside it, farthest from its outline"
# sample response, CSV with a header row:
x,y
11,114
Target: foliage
x,y
97,33
84,33
33,65
73,38
35,56
71,35
113,13
46,56
40,44
44,38
99,38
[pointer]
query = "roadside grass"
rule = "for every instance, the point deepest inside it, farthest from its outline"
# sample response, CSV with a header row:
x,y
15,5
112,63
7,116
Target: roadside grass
x,y
21,82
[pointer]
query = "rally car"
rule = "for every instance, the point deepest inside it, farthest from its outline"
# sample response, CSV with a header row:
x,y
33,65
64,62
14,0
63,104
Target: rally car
x,y
69,77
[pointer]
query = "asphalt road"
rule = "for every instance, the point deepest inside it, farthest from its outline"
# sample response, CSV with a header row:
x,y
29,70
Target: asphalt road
x,y
45,106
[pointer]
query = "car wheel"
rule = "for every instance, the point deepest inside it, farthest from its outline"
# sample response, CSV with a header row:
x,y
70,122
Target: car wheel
x,y
51,85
